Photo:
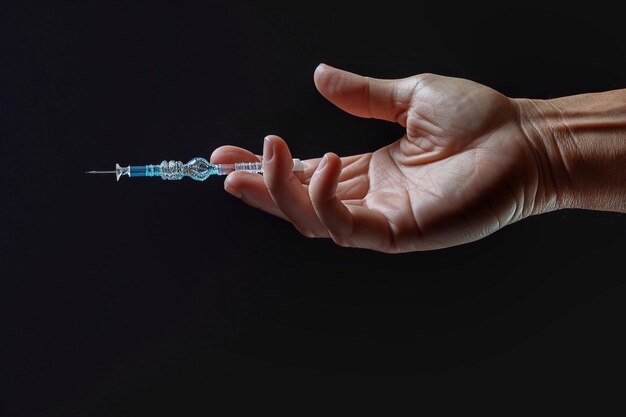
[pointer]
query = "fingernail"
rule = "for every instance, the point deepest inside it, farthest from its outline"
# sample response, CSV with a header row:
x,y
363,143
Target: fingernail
x,y
232,191
322,164
268,150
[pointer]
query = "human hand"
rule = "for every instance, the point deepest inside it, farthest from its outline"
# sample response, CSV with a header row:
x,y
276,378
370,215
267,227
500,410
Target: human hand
x,y
464,169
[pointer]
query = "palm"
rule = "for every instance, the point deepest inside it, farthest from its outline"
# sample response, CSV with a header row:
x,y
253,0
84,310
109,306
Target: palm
x,y
452,177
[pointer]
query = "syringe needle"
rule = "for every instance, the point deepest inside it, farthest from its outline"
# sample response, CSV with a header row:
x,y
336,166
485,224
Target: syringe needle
x,y
99,172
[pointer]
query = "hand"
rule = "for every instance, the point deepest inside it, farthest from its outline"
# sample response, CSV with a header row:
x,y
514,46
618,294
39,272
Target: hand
x,y
464,168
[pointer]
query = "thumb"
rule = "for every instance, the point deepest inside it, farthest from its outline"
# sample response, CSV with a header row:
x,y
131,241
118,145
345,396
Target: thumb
x,y
365,96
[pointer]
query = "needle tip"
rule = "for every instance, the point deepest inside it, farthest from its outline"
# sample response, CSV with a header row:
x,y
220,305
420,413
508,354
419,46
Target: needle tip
x,y
100,172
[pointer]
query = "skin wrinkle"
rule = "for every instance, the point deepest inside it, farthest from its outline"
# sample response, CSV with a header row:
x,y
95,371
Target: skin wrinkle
x,y
421,82
418,228
595,127
495,216
427,192
514,213
399,182
403,103
547,168
517,202
398,104
409,144
358,179
528,198
353,166
356,186
403,118
392,159
423,124
561,159
525,195
420,122
536,149
522,207
391,245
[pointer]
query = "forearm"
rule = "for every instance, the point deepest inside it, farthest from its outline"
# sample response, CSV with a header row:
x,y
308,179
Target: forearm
x,y
580,146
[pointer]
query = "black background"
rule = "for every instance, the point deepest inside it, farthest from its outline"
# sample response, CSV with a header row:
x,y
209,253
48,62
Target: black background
x,y
145,296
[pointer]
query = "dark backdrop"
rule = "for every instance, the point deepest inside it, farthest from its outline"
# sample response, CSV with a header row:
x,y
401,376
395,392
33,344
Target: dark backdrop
x,y
133,297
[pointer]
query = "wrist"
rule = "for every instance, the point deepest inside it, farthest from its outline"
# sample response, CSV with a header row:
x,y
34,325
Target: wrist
x,y
579,144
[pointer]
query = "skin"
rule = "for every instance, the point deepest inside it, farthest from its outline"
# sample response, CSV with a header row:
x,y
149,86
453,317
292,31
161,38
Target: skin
x,y
471,161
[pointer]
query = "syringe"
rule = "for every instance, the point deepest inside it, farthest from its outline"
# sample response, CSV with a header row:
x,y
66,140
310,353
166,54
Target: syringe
x,y
197,168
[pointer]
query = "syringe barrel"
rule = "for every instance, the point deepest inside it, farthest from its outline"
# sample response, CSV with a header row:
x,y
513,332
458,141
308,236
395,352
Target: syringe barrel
x,y
172,170
257,167
249,166
145,171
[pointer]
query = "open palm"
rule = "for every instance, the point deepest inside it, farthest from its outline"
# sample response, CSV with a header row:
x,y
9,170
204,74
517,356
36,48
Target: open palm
x,y
463,169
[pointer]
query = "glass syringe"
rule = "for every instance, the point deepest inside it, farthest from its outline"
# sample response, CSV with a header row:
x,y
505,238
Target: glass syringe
x,y
197,168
